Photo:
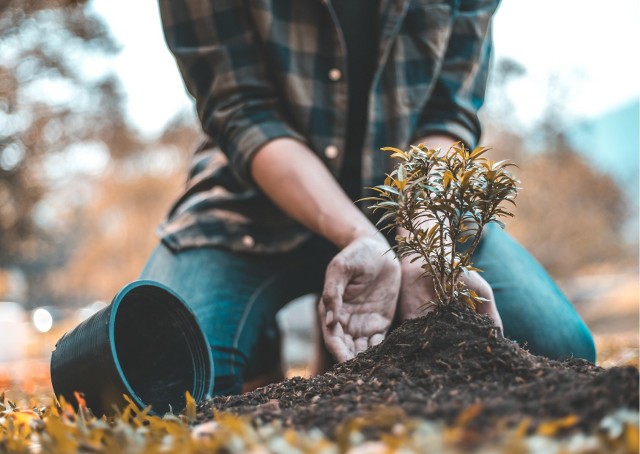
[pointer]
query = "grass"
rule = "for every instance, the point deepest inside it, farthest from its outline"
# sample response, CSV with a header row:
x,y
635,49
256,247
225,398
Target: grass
x,y
34,422
56,428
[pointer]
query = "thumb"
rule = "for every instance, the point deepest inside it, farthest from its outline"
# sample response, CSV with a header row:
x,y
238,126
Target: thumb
x,y
488,307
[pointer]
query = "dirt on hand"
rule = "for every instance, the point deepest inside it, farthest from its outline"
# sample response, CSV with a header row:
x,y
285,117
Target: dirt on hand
x,y
438,367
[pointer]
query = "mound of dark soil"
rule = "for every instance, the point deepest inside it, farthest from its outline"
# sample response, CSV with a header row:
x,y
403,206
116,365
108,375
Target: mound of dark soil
x,y
435,367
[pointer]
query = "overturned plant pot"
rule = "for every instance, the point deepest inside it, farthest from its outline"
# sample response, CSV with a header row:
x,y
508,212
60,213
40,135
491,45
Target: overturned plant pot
x,y
146,344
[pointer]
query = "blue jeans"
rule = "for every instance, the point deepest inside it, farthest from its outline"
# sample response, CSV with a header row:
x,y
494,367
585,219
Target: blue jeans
x,y
236,296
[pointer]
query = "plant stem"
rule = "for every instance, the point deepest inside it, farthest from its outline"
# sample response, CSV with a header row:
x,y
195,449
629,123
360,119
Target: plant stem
x,y
439,289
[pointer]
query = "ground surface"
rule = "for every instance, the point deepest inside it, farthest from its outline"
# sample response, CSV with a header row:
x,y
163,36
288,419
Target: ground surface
x,y
440,391
607,302
449,366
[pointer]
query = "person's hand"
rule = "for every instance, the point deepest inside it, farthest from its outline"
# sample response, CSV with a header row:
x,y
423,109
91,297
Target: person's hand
x,y
417,291
359,297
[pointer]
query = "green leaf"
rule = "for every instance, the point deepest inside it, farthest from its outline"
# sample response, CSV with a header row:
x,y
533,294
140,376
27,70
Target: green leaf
x,y
386,216
402,173
385,188
387,204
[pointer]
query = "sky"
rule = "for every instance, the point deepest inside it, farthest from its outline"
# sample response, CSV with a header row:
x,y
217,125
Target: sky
x,y
590,47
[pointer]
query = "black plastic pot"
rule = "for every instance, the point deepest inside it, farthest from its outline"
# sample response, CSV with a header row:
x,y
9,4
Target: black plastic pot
x,y
146,344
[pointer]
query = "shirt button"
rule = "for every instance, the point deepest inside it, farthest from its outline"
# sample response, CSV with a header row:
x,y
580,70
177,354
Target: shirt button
x,y
335,74
331,152
248,241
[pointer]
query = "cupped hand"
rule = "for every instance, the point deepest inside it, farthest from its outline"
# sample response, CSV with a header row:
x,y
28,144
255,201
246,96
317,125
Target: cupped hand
x,y
417,291
359,299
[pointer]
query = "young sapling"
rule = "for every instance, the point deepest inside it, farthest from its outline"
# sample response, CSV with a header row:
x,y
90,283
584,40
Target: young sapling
x,y
444,200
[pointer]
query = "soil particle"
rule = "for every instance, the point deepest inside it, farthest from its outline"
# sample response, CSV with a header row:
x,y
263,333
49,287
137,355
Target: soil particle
x,y
436,367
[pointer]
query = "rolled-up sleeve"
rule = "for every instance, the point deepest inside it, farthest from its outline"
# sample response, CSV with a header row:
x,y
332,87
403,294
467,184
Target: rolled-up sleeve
x,y
219,55
460,87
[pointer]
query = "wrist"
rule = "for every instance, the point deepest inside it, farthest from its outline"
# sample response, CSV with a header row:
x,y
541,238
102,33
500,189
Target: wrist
x,y
356,232
295,179
344,223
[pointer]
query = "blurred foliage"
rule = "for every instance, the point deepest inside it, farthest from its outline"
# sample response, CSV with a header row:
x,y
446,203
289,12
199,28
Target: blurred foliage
x,y
46,105
80,190
128,203
33,426
570,215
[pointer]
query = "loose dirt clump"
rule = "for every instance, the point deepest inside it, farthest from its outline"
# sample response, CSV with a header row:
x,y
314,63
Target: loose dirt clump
x,y
437,367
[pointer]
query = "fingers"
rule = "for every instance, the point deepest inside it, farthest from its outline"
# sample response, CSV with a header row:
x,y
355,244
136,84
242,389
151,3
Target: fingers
x,y
482,288
375,339
334,337
343,347
489,308
341,344
361,344
335,282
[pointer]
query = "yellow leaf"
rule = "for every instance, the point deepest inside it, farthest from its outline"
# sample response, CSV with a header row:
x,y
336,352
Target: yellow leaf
x,y
469,414
523,427
467,176
432,231
61,434
631,436
190,410
446,178
550,428
479,151
400,155
395,150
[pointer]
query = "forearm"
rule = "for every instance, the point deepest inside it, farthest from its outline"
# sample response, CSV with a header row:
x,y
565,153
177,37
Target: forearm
x,y
296,180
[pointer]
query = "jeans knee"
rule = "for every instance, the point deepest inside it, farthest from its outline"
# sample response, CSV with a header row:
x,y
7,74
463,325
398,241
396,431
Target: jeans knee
x,y
571,340
228,368
227,385
584,345
578,343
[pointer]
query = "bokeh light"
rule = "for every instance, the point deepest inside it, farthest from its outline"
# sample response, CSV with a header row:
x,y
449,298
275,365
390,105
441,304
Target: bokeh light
x,y
42,320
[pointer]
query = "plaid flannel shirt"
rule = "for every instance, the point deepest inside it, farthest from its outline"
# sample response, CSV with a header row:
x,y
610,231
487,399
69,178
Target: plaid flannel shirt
x,y
263,69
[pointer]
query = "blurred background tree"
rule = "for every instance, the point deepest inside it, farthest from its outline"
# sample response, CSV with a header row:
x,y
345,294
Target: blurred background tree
x,y
570,214
74,175
47,106
129,201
